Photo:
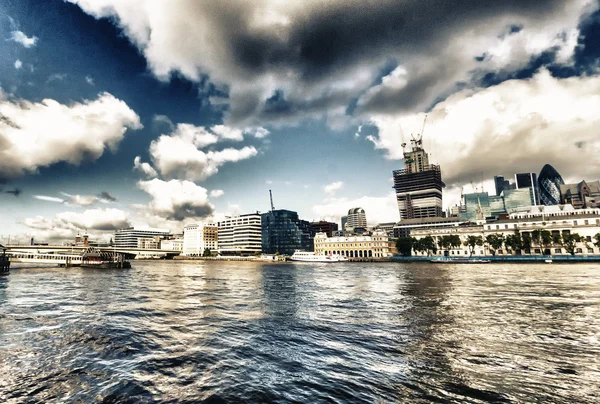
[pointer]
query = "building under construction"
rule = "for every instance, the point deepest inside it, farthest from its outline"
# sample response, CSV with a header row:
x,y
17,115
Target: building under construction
x,y
419,185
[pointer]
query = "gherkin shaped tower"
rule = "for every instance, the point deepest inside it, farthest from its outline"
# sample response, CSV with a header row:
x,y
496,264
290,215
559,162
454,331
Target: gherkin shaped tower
x,y
549,182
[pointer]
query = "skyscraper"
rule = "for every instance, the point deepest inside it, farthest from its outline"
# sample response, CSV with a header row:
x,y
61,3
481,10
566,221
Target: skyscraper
x,y
419,185
502,184
528,180
356,219
549,182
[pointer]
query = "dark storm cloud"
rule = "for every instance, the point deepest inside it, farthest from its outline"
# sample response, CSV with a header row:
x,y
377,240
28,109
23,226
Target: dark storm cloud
x,y
107,197
304,50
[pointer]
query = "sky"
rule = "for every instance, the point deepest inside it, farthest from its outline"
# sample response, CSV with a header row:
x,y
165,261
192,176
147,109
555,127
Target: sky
x,y
117,113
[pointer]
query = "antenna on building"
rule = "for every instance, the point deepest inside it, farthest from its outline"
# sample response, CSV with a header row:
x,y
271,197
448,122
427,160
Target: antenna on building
x,y
482,182
271,195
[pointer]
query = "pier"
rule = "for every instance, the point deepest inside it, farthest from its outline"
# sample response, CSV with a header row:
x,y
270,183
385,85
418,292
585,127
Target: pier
x,y
91,257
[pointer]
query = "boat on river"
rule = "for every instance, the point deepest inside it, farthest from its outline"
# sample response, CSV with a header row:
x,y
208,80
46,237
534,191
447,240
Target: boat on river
x,y
460,261
308,256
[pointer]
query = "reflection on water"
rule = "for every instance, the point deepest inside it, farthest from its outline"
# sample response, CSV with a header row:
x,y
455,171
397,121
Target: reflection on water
x,y
251,332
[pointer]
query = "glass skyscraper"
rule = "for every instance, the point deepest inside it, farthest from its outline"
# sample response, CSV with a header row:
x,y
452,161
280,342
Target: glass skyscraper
x,y
283,232
549,182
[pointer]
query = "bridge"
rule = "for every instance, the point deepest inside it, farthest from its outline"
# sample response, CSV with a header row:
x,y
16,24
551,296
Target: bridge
x,y
58,251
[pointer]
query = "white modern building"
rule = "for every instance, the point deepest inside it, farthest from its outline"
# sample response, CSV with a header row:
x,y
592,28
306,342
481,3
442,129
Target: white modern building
x,y
558,220
129,236
199,237
240,235
376,246
173,244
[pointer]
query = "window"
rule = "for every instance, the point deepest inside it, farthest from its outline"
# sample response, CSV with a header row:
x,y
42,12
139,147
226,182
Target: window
x,y
579,251
586,222
588,238
574,222
497,227
590,250
499,252
506,226
557,250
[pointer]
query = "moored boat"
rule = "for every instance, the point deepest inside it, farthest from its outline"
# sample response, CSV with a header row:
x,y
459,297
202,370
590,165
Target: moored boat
x,y
308,256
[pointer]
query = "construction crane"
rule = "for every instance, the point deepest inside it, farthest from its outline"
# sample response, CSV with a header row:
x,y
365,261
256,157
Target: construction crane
x,y
419,141
271,195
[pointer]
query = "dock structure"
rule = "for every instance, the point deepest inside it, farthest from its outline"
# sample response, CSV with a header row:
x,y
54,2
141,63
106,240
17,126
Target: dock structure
x,y
91,257
4,261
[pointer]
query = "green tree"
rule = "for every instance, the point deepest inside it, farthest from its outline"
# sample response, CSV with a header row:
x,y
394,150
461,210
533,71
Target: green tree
x,y
428,244
405,245
207,253
257,253
546,237
526,241
514,242
495,242
536,236
557,239
569,241
473,241
597,238
454,241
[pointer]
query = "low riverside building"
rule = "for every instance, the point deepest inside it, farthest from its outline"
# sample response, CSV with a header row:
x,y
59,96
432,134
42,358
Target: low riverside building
x,y
378,245
128,237
198,238
557,220
172,244
240,235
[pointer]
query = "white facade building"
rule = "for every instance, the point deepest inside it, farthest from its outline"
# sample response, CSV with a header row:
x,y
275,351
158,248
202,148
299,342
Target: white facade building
x,y
199,237
557,219
174,244
128,237
376,246
240,235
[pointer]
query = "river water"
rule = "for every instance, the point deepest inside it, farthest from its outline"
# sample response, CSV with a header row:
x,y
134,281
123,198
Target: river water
x,y
231,332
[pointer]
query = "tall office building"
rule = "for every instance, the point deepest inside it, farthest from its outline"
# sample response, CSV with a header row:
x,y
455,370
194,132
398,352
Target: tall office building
x,y
240,235
283,232
549,182
501,184
528,180
356,219
344,221
419,185
199,237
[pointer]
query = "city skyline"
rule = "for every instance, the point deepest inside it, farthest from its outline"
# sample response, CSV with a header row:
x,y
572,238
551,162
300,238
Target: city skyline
x,y
114,120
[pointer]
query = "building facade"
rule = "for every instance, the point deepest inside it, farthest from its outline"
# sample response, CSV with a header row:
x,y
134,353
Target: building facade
x,y
324,227
528,180
128,237
581,195
557,220
356,219
378,245
418,186
172,244
283,232
501,184
198,238
240,235
549,182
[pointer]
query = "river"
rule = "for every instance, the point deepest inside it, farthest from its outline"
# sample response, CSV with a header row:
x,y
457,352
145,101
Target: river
x,y
232,332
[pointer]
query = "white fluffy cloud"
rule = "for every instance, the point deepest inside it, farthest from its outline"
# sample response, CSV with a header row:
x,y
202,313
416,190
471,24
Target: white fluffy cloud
x,y
179,154
144,168
66,225
78,200
176,200
332,188
215,193
20,37
284,61
34,135
377,209
516,126
18,64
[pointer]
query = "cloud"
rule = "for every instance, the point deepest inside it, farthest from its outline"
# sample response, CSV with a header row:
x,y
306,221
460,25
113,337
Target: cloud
x,y
105,196
144,168
179,154
48,198
34,135
18,64
377,209
516,126
215,193
286,61
176,200
66,225
225,132
90,80
332,188
81,200
20,37
56,77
